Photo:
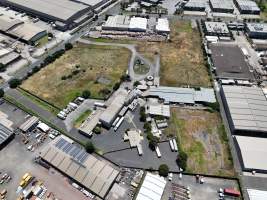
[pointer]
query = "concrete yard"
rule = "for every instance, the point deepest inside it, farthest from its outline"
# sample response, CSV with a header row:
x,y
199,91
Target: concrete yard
x,y
206,191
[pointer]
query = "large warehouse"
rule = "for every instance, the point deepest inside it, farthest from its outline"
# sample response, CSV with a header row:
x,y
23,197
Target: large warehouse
x,y
5,135
246,110
256,30
252,152
89,171
25,32
221,6
195,5
247,7
229,62
66,14
216,29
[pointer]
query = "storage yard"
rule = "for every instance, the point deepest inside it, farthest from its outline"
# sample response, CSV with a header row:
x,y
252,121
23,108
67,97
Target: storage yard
x,y
98,69
201,135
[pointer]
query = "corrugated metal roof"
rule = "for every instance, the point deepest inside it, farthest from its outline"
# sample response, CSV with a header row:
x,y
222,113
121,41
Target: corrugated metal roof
x,y
61,9
5,133
182,95
253,151
94,173
247,106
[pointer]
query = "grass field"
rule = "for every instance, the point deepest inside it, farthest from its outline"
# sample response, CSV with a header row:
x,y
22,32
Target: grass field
x,y
202,136
85,67
78,122
182,61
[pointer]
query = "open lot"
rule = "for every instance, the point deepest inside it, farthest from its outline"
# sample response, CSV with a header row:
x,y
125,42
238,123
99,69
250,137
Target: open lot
x,y
182,61
208,190
201,135
85,67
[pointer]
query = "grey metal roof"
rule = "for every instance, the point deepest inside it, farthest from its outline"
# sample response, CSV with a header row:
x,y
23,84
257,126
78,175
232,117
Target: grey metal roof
x,y
196,4
247,106
216,27
94,173
248,5
90,2
222,4
257,27
253,151
182,95
5,133
61,9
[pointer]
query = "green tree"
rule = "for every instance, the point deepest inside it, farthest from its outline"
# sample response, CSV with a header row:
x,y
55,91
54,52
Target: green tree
x,y
68,46
2,67
13,83
86,94
89,147
136,83
163,170
97,130
182,160
116,86
2,92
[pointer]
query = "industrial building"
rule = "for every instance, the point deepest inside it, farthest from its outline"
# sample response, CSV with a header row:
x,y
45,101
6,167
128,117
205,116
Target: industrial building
x,y
89,171
221,6
152,187
247,7
65,14
23,31
256,30
8,56
110,114
29,124
163,25
182,95
159,110
229,62
246,110
216,29
257,194
252,152
6,134
125,23
96,5
117,23
195,5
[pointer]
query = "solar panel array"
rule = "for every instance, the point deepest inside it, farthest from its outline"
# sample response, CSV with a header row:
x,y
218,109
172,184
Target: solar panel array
x,y
76,152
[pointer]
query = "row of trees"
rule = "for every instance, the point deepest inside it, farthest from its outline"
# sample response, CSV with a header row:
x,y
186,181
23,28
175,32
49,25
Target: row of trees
x,y
13,83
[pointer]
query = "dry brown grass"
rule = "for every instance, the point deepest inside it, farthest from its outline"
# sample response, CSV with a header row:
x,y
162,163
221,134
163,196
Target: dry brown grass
x,y
106,62
182,61
199,135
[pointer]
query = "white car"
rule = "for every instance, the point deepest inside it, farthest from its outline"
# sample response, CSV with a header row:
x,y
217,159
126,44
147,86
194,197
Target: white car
x,y
170,176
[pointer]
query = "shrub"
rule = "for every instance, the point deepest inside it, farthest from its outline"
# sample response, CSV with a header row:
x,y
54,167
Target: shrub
x,y
116,86
136,83
68,46
50,35
182,160
2,67
86,94
64,78
163,170
97,130
2,92
147,127
89,147
13,83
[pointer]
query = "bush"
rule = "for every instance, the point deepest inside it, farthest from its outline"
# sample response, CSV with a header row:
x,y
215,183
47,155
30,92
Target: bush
x,y
86,94
147,127
2,67
163,170
68,46
97,130
2,93
116,86
182,160
89,147
13,83
136,83
64,78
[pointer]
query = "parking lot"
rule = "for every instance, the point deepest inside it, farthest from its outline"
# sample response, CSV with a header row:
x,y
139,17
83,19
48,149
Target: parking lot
x,y
208,190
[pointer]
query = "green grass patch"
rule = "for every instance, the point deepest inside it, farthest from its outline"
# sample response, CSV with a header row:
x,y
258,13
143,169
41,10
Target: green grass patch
x,y
78,122
42,41
39,102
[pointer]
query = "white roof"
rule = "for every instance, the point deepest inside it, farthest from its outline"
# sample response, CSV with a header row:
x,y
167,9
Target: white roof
x,y
163,25
253,151
162,110
152,187
138,23
257,194
43,127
